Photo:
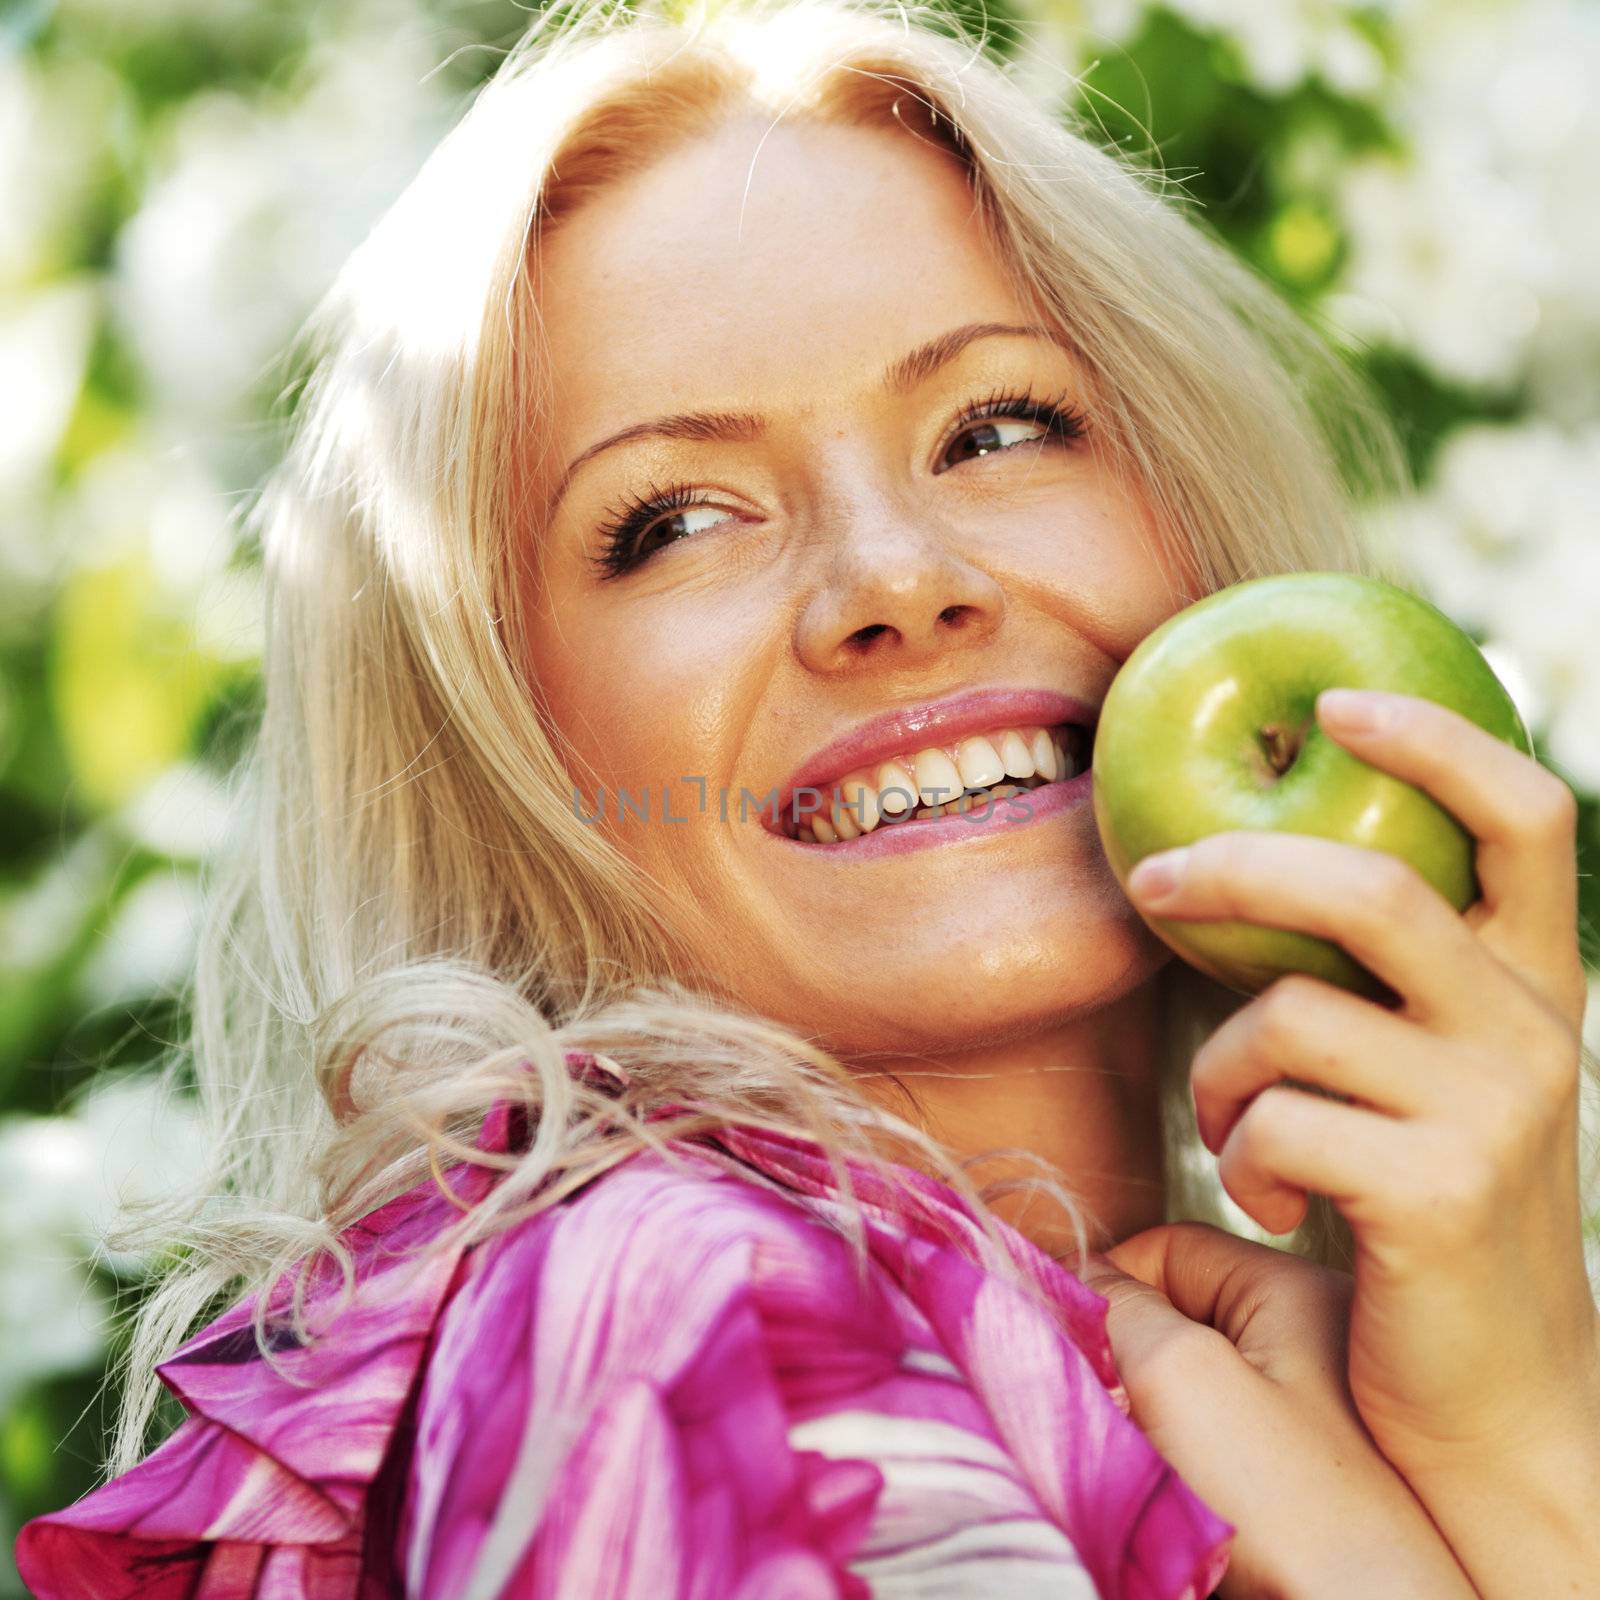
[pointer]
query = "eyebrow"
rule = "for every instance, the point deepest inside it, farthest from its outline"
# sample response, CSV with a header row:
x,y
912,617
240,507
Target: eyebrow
x,y
742,427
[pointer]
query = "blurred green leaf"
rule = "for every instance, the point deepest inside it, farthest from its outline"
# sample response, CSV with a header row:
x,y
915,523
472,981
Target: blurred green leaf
x,y
128,683
25,1449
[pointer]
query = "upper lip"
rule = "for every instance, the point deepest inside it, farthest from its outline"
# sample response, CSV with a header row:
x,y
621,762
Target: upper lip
x,y
914,728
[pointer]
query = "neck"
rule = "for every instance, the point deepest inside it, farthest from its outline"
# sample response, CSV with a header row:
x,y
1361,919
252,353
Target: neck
x,y
1082,1095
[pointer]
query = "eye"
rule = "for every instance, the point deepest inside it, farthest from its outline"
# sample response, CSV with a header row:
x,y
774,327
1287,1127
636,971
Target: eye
x,y
634,531
1061,423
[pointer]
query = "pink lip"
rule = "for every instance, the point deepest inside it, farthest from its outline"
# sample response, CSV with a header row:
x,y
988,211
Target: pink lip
x,y
917,727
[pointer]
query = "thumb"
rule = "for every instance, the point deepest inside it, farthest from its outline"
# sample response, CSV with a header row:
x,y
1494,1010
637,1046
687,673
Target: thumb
x,y
1186,1385
1140,1320
1226,1282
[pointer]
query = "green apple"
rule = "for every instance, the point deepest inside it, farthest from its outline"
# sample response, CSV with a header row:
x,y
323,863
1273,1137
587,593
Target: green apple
x,y
1211,726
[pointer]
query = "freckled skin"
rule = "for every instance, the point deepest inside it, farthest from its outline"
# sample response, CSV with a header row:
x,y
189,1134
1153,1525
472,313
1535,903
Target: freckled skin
x,y
784,282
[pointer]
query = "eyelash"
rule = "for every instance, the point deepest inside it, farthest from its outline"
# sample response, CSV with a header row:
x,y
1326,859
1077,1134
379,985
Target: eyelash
x,y
624,525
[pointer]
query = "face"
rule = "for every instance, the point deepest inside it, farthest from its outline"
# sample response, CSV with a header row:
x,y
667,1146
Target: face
x,y
859,565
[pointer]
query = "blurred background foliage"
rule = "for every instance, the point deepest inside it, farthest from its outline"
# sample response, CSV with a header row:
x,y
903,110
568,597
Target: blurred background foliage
x,y
179,179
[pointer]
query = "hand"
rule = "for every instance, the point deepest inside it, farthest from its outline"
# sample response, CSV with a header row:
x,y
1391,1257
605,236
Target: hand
x,y
1474,1350
1233,1357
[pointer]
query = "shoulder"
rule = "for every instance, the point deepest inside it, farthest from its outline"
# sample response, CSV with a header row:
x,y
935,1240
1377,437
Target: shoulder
x,y
587,1362
681,1384
663,1269
672,1238
607,1406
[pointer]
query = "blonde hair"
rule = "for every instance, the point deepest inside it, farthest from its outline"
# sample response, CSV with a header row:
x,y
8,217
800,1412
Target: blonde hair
x,y
412,923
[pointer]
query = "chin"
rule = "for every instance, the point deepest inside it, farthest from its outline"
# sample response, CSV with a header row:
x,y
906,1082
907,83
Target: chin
x,y
930,999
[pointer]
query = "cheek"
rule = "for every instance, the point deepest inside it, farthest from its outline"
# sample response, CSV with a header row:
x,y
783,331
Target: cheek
x,y
1100,562
650,690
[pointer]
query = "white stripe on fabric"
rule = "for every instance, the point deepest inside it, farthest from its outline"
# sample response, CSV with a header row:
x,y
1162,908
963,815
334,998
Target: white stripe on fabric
x,y
915,1360
954,1519
1021,1560
877,1434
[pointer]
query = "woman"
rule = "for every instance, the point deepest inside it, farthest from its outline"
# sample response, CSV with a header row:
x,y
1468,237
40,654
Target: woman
x,y
731,420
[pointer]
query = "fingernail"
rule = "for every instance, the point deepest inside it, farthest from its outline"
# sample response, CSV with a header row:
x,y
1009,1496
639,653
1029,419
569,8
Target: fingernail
x,y
1156,878
1352,710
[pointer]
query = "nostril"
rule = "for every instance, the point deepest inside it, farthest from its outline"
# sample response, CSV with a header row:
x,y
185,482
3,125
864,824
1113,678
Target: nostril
x,y
867,634
952,613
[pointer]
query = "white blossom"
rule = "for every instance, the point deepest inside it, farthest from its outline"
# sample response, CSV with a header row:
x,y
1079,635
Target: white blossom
x,y
258,203
183,812
65,1179
146,1143
1504,541
147,946
1447,261
45,336
158,500
1483,245
52,1317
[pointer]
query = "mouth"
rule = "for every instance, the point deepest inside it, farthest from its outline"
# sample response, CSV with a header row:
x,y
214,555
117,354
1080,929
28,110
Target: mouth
x,y
925,782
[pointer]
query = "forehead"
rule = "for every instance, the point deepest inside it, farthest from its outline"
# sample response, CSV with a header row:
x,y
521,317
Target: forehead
x,y
756,264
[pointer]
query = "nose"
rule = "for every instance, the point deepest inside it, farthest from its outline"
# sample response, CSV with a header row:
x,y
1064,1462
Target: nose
x,y
896,590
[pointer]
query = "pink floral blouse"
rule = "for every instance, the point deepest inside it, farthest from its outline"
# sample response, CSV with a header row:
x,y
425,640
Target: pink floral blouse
x,y
670,1386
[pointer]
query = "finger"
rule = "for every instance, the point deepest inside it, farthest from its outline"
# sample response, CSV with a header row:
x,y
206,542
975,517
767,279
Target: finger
x,y
1303,1028
1211,1275
1523,817
1375,906
1287,1317
1184,1383
1148,1333
1289,1142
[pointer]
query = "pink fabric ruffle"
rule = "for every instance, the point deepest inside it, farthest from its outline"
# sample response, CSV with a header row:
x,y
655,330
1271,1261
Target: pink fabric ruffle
x,y
604,1401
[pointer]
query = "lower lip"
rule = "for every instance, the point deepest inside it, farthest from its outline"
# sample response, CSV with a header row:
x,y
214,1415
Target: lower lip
x,y
1005,816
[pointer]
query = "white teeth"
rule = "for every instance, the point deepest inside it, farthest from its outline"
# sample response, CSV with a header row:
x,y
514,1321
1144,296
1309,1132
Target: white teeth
x,y
938,781
937,777
896,787
979,763
1043,750
1014,754
862,799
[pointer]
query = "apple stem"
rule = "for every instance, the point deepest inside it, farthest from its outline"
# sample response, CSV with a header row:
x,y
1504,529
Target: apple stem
x,y
1282,746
